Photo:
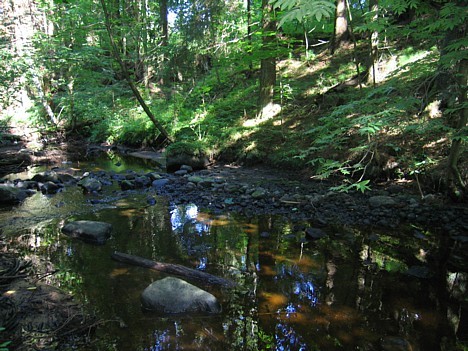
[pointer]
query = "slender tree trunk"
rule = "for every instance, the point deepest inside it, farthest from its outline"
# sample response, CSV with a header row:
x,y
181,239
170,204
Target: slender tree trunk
x,y
268,62
21,21
127,77
43,98
340,32
164,25
249,34
456,183
459,75
374,44
164,22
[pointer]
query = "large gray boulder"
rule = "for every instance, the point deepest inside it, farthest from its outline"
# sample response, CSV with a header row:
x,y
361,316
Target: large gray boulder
x,y
10,195
172,295
90,231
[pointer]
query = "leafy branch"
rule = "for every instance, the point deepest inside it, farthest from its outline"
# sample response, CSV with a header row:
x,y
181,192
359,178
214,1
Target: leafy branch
x,y
300,10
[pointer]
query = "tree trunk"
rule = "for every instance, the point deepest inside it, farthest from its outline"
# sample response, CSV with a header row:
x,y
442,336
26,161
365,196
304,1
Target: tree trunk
x,y
43,98
374,43
456,183
340,32
127,77
249,35
268,62
164,22
174,269
164,33
21,21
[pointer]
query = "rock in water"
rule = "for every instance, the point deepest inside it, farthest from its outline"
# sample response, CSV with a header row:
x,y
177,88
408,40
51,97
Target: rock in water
x,y
89,231
394,343
90,184
315,233
11,196
174,295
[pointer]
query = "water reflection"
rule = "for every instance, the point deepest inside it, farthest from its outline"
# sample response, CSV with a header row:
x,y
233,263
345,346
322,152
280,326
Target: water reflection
x,y
287,339
347,291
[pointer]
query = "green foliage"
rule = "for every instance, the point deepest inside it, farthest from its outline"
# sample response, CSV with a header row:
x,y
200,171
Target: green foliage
x,y
299,10
4,344
11,69
202,82
401,6
266,341
361,186
188,148
359,129
418,167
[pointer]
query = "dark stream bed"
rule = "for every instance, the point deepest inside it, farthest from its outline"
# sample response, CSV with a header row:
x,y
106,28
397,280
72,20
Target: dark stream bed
x,y
354,289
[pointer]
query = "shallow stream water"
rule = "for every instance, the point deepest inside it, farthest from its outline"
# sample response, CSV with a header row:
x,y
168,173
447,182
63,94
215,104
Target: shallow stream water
x,y
355,289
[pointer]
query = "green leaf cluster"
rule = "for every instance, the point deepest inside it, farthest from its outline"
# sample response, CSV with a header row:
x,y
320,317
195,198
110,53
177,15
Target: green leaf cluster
x,y
300,10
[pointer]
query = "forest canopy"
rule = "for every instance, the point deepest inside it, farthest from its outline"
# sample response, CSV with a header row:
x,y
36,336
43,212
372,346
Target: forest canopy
x,y
355,91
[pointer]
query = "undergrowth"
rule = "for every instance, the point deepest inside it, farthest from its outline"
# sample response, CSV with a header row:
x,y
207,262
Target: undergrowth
x,y
353,133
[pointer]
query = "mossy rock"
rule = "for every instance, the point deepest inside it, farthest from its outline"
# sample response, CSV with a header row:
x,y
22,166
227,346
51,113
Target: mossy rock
x,y
183,153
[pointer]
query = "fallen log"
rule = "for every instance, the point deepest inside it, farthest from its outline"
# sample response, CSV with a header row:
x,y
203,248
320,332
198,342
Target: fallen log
x,y
175,269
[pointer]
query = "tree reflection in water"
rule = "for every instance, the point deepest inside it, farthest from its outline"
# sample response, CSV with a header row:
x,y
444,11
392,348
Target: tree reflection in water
x,y
347,291
161,341
287,339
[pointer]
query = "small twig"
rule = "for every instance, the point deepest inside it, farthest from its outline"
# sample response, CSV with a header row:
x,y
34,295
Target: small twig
x,y
40,277
419,186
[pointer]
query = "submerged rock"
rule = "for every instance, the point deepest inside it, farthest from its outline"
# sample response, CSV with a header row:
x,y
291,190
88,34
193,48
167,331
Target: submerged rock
x,y
419,272
50,188
66,178
394,343
127,185
142,182
44,177
172,295
159,183
90,185
259,193
10,195
154,176
315,233
89,231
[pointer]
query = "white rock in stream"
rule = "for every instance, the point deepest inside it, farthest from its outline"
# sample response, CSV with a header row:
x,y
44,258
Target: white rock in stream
x,y
173,295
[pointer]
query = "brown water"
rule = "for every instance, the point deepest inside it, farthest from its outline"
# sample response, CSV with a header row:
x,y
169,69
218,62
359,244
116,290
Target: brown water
x,y
348,291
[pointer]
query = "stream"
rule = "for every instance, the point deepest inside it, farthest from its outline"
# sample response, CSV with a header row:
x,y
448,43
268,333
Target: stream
x,y
356,288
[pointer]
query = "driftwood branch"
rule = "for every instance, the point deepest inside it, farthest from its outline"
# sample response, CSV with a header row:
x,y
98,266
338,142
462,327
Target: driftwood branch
x,y
174,269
